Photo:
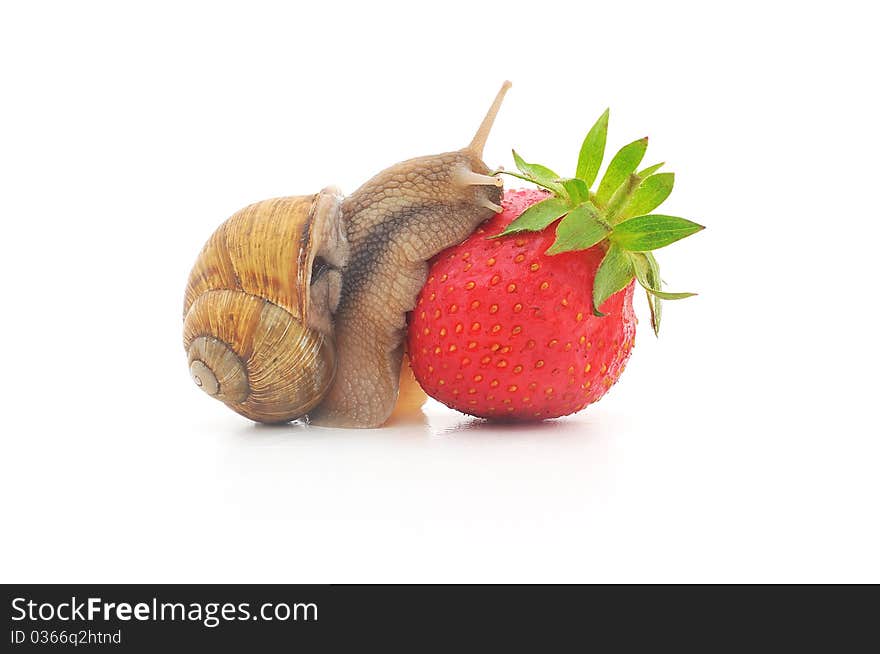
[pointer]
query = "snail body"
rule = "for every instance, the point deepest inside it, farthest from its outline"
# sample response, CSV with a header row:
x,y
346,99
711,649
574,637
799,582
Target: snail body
x,y
297,306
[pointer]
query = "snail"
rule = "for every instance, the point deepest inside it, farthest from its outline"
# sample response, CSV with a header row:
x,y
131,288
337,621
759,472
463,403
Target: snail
x,y
296,306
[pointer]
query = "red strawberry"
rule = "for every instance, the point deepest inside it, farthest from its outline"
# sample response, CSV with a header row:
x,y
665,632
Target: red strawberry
x,y
501,329
523,321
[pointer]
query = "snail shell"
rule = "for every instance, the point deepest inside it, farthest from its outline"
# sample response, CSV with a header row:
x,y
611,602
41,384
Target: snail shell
x,y
259,303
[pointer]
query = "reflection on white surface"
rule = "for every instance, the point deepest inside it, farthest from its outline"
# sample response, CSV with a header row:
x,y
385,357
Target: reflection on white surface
x,y
628,489
443,465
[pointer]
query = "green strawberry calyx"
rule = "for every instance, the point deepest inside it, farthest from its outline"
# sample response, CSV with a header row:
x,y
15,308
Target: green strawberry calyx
x,y
618,214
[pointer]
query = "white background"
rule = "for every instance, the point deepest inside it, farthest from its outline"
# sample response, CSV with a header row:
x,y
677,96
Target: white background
x,y
740,446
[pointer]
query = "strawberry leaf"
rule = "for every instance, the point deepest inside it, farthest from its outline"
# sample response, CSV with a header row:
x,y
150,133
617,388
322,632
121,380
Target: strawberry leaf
x,y
540,175
621,167
537,216
650,170
526,178
577,190
665,295
648,274
592,151
580,229
650,194
644,233
656,307
613,274
653,301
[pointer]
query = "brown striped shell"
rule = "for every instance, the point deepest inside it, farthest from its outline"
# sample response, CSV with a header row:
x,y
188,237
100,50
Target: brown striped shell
x,y
259,303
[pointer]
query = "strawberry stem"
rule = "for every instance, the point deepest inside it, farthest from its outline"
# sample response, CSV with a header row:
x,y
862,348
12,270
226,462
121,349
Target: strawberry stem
x,y
621,197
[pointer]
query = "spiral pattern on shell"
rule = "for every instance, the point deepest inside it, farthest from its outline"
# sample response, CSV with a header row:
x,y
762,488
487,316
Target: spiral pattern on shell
x,y
258,307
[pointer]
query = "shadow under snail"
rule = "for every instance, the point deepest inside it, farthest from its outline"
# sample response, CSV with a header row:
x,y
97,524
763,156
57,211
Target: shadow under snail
x,y
297,305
